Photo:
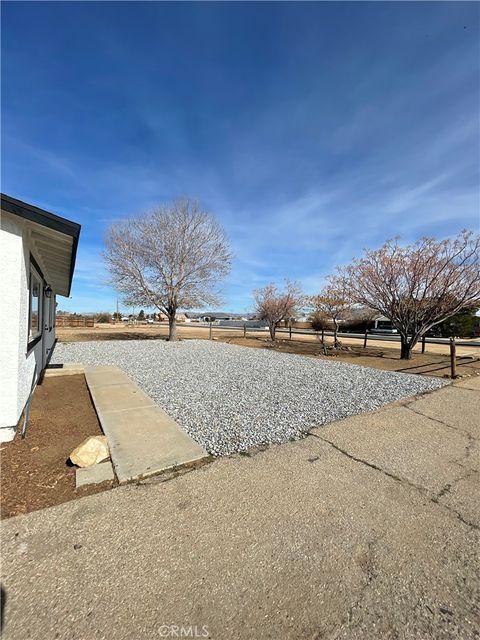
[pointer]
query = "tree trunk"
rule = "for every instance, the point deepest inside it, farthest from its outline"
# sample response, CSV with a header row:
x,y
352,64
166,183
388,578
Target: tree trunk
x,y
335,333
272,327
172,327
406,348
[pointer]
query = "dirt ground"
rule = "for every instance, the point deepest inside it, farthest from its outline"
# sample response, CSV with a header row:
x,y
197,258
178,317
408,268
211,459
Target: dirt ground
x,y
430,364
379,354
34,472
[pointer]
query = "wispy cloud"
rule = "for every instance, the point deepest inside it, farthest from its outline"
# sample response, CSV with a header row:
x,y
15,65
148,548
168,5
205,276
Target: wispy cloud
x,y
310,139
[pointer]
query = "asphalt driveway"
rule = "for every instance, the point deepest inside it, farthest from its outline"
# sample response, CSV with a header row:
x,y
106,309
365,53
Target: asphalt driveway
x,y
368,528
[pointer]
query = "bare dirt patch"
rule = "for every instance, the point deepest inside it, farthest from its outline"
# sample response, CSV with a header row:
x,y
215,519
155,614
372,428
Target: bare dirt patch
x,y
35,471
430,364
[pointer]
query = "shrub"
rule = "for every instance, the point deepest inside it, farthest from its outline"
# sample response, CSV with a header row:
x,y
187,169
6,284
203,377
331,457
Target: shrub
x,y
104,316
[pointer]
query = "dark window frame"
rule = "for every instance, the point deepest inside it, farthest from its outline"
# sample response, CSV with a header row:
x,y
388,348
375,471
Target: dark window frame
x,y
32,341
51,301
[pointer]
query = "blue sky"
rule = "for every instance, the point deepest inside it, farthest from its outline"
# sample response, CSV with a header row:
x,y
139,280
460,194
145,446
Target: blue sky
x,y
310,130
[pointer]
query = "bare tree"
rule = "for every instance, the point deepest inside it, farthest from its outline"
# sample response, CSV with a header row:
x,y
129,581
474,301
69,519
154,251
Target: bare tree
x,y
417,286
274,305
332,303
172,258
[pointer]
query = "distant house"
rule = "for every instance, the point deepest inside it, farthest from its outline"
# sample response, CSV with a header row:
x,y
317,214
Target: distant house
x,y
215,317
38,251
302,319
381,324
179,317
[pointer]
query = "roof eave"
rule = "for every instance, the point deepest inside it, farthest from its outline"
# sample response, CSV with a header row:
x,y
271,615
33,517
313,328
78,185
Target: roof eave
x,y
45,219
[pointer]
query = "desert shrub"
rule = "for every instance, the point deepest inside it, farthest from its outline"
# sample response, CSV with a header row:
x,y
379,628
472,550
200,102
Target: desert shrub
x,y
104,316
319,322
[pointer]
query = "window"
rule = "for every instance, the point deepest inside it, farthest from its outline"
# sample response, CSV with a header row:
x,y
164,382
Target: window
x,y
34,321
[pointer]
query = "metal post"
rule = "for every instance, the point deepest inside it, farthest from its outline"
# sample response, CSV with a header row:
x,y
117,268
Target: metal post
x,y
323,335
423,343
210,331
365,339
290,328
453,361
244,330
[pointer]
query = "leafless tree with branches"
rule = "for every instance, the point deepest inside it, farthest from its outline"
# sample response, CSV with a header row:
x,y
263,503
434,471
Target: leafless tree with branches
x,y
275,305
171,258
332,303
419,285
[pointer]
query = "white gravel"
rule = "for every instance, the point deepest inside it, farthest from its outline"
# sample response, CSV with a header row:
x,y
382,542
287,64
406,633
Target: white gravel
x,y
231,398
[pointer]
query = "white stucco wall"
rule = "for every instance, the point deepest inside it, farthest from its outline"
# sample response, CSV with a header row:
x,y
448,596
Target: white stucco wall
x,y
17,365
11,252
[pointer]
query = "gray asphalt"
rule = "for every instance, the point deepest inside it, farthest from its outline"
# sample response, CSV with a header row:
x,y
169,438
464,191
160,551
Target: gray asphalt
x,y
366,529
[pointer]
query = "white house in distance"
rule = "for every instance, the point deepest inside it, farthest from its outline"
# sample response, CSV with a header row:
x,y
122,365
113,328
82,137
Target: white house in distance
x,y
38,251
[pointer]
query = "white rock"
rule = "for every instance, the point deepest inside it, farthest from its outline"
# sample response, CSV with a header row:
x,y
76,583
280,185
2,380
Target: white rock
x,y
92,451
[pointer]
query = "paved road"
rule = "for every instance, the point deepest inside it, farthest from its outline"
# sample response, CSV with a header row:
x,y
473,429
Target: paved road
x,y
366,529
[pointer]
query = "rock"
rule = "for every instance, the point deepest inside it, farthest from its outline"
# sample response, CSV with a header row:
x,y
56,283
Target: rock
x,y
92,450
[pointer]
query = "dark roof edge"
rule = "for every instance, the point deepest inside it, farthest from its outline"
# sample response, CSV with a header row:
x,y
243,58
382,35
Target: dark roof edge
x,y
46,219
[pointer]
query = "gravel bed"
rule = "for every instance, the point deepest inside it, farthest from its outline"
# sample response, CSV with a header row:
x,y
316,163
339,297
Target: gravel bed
x,y
231,398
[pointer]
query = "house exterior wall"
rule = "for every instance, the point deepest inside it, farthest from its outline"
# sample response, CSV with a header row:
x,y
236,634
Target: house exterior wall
x,y
17,362
11,250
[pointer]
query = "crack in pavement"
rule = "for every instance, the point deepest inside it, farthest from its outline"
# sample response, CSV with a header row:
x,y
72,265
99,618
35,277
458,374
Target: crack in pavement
x,y
471,440
449,486
403,481
371,464
445,424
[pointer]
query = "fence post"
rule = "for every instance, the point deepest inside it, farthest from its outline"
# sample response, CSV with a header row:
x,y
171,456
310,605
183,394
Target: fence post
x,y
244,330
210,331
365,339
453,360
290,331
423,343
323,335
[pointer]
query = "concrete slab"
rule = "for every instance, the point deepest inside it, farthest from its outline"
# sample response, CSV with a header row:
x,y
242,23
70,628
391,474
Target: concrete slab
x,y
68,369
147,441
7,434
106,376
463,497
143,439
470,383
94,475
404,443
118,397
455,406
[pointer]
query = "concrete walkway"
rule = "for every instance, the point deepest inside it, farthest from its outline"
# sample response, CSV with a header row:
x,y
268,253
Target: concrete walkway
x,y
368,529
143,439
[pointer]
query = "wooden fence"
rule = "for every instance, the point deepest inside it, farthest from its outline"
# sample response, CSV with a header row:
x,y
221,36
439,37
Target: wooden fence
x,y
75,321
